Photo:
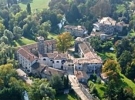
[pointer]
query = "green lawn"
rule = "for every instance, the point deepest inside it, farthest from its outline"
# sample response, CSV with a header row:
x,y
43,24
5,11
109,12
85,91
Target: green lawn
x,y
22,41
106,55
121,8
36,4
70,96
52,36
128,82
25,41
100,90
132,33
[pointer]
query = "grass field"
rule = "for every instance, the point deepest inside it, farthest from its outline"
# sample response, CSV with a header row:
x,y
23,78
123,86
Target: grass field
x,y
25,41
70,96
36,4
100,90
52,36
107,55
132,33
22,41
128,82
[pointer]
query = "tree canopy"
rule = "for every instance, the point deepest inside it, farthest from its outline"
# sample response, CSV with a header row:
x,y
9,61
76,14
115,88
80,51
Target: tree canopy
x,y
64,42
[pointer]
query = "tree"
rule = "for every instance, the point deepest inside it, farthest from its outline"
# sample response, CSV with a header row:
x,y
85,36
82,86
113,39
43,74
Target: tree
x,y
124,59
64,42
2,28
17,31
15,8
112,69
4,39
19,17
28,8
11,87
122,45
46,26
57,83
42,33
8,34
130,70
73,15
107,45
126,93
95,43
40,89
101,8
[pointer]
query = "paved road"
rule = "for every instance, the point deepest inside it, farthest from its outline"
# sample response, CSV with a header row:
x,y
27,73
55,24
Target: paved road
x,y
23,75
76,87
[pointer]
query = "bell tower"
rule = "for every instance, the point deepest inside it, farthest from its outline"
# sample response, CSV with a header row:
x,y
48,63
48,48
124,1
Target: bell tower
x,y
40,45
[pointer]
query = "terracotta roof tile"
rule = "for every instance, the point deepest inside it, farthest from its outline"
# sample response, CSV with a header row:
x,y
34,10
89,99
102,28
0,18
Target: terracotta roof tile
x,y
27,54
52,71
56,56
88,61
83,46
26,49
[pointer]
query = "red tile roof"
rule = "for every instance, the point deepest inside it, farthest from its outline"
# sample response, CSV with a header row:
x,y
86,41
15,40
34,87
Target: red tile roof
x,y
56,56
88,61
26,49
27,54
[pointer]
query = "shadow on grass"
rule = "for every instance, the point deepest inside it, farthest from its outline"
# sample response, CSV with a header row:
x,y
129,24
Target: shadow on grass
x,y
102,88
61,97
70,96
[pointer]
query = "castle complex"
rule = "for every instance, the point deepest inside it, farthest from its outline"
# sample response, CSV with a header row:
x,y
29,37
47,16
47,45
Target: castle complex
x,y
43,59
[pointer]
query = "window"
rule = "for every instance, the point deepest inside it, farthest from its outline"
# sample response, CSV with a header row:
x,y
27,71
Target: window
x,y
51,60
57,61
44,59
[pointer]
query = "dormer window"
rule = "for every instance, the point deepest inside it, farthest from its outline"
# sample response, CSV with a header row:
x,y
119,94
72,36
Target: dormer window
x,y
57,61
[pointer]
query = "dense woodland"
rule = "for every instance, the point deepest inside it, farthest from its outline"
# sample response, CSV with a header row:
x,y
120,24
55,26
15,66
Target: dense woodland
x,y
16,23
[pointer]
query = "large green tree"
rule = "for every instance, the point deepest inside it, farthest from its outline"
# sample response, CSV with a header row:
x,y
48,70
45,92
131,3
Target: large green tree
x,y
18,32
11,87
40,89
64,42
28,8
57,83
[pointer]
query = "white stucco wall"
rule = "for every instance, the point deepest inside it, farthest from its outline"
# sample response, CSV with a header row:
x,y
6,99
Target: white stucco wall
x,y
46,61
57,64
79,66
26,64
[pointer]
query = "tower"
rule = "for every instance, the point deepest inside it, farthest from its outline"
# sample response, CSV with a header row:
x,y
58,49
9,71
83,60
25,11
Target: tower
x,y
40,45
78,40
